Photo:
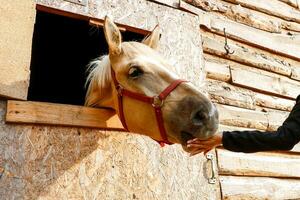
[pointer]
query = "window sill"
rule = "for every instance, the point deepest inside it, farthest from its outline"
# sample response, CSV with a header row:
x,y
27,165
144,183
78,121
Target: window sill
x,y
28,112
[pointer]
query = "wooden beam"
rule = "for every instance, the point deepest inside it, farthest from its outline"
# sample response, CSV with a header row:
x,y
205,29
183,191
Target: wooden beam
x,y
214,44
234,116
224,93
27,112
273,102
271,7
217,71
295,73
294,3
266,82
254,188
268,164
288,46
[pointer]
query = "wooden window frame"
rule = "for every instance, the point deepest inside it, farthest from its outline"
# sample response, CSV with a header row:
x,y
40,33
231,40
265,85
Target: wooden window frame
x,y
44,113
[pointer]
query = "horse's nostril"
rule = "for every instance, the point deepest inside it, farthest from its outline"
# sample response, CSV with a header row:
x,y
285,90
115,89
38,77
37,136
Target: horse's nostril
x,y
198,118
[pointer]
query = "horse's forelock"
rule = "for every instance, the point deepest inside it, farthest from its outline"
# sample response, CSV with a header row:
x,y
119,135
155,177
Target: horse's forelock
x,y
98,79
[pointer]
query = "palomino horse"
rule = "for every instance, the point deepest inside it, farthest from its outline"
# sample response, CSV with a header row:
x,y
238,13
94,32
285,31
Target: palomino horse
x,y
149,99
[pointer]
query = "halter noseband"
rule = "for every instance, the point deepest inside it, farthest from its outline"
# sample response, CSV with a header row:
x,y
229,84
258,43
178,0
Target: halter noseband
x,y
156,102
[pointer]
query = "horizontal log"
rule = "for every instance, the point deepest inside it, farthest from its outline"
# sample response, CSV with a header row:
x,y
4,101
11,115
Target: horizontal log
x,y
296,73
27,112
267,164
171,3
290,26
232,128
273,102
234,116
257,188
275,118
271,7
224,93
217,71
266,82
215,45
280,44
294,3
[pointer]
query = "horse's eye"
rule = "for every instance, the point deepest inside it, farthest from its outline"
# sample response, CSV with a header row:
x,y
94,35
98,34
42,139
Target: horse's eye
x,y
135,72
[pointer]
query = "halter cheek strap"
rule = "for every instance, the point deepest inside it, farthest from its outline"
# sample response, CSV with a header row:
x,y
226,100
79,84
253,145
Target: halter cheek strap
x,y
156,102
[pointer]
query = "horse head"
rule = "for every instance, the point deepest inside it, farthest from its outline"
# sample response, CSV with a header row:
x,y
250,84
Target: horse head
x,y
137,82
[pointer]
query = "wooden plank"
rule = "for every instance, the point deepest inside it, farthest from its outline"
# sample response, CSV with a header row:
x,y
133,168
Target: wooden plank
x,y
271,7
215,45
294,3
273,102
217,71
171,3
295,73
27,112
280,44
268,164
236,13
262,81
233,128
234,116
257,188
224,93
275,118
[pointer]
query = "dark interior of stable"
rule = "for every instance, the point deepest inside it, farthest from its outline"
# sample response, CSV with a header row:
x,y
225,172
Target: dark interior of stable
x,y
61,49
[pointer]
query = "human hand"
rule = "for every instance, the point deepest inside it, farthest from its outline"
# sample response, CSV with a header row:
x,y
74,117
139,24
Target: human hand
x,y
196,146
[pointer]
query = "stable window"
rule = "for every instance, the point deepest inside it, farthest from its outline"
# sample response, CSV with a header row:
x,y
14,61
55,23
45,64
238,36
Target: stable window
x,y
61,49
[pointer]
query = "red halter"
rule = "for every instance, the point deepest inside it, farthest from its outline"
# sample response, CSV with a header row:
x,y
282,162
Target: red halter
x,y
156,102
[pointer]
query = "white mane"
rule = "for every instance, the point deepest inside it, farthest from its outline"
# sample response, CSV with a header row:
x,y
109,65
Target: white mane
x,y
98,80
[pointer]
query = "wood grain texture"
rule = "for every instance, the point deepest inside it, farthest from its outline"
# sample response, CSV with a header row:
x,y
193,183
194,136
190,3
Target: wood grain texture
x,y
268,164
271,7
275,118
294,3
224,93
217,71
295,73
26,112
234,116
214,44
276,43
265,82
258,188
273,102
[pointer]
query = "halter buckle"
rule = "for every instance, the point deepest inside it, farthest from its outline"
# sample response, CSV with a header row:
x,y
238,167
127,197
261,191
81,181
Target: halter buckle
x,y
157,102
119,89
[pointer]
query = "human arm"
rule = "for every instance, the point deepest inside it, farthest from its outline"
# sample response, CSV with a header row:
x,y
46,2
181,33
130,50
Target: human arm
x,y
284,138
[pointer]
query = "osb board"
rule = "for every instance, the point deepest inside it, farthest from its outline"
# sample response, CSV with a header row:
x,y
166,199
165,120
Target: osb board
x,y
42,162
16,22
180,41
257,188
172,3
269,164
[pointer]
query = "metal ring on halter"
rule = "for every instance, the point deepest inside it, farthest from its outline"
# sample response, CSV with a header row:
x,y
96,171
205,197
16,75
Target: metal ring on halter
x,y
119,89
157,102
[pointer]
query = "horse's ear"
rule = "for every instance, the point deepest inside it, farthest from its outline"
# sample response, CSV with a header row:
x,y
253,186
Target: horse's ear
x,y
152,39
113,36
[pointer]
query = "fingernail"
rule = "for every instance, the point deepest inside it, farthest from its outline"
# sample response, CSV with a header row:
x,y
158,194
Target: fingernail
x,y
188,145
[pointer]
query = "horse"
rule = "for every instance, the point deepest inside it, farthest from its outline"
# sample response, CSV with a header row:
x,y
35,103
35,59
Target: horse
x,y
135,81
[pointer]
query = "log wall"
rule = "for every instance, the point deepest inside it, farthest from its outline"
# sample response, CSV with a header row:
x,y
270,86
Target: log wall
x,y
254,87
